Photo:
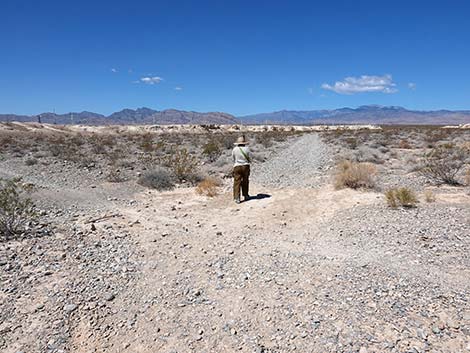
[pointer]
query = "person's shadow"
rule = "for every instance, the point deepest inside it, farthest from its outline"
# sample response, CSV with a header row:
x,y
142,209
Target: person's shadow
x,y
259,197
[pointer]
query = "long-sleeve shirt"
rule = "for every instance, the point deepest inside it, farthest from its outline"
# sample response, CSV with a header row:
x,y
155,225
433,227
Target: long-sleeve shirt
x,y
239,158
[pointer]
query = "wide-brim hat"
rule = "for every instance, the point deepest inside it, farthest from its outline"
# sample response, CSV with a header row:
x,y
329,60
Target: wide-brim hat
x,y
241,141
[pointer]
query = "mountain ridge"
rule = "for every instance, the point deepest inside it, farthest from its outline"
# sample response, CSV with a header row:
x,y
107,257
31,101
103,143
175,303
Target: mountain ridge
x,y
127,117
365,114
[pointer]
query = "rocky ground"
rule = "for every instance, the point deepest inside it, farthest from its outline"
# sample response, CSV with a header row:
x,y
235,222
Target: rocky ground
x,y
302,267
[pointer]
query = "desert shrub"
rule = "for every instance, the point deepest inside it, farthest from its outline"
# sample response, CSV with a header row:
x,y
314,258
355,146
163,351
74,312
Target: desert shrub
x,y
404,144
444,162
227,141
124,163
211,150
355,175
5,141
16,209
351,142
403,197
429,196
31,161
265,139
115,176
158,178
146,144
367,154
182,164
208,187
77,140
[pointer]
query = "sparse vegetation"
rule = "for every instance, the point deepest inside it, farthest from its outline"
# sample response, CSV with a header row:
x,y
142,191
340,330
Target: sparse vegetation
x,y
208,187
31,161
16,209
355,175
115,176
444,162
211,150
402,197
157,178
404,144
182,164
429,196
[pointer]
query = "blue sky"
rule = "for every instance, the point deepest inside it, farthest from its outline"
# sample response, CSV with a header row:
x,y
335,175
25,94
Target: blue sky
x,y
240,57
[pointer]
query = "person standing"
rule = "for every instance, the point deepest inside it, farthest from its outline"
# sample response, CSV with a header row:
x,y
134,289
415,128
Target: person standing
x,y
241,156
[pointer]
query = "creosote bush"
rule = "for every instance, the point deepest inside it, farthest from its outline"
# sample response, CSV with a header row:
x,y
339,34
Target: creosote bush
x,y
355,175
208,187
31,161
16,209
182,164
402,197
158,178
444,162
211,150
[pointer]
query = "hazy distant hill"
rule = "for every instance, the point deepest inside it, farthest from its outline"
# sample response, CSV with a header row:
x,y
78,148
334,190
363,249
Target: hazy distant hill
x,y
128,116
372,114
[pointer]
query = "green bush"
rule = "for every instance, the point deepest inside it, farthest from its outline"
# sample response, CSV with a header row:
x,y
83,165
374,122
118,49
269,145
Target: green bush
x,y
16,209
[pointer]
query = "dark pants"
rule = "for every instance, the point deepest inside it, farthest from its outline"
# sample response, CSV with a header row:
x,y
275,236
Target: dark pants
x,y
241,174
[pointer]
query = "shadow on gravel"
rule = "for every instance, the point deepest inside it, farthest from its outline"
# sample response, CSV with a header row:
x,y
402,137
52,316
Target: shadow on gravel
x,y
259,197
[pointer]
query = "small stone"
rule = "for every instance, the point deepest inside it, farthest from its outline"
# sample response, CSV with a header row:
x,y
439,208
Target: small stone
x,y
109,297
70,307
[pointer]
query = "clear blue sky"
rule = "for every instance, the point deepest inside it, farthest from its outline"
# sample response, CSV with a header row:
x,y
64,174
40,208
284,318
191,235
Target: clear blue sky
x,y
240,57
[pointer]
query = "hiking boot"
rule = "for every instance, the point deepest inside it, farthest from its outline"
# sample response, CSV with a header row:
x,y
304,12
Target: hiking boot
x,y
237,201
246,198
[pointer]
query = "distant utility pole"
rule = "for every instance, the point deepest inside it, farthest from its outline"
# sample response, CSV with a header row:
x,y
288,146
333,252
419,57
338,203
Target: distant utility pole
x,y
71,118
55,117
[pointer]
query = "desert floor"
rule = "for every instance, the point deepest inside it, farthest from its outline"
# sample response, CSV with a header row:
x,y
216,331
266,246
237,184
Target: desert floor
x,y
301,267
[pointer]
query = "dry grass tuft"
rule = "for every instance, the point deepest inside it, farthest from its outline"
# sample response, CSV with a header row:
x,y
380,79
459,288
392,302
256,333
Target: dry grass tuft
x,y
403,197
429,196
208,187
355,175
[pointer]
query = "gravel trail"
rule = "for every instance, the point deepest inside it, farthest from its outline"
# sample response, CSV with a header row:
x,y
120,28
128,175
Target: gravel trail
x,y
299,165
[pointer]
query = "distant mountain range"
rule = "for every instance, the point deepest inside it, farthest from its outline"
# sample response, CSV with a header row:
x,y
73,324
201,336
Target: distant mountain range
x,y
128,116
369,114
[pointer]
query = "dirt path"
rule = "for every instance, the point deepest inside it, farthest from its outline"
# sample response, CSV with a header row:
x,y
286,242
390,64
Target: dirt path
x,y
206,261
